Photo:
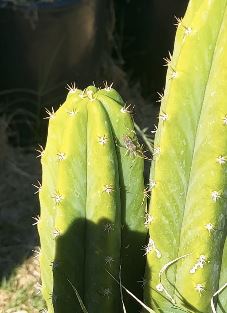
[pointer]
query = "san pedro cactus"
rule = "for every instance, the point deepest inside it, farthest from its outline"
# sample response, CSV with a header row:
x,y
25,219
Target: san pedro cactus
x,y
188,207
92,204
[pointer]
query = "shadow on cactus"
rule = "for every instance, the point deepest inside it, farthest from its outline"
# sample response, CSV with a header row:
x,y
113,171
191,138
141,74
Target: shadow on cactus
x,y
87,268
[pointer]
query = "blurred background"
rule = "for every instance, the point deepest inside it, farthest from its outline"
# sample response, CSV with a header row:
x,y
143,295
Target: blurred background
x,y
45,45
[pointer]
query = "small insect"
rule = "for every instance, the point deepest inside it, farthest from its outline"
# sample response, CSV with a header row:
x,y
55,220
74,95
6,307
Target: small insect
x,y
132,147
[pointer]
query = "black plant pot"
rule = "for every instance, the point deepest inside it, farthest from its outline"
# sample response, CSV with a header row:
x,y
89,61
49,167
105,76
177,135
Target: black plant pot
x,y
46,46
148,31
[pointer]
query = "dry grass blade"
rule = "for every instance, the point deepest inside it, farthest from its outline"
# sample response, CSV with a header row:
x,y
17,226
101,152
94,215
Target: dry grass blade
x,y
132,295
214,295
147,140
78,297
122,300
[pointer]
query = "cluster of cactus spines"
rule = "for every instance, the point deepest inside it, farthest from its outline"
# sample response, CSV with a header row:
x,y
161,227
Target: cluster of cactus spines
x,y
92,208
188,201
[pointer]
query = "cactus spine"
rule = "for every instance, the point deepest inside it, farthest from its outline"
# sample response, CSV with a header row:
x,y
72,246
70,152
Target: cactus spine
x,y
189,174
92,206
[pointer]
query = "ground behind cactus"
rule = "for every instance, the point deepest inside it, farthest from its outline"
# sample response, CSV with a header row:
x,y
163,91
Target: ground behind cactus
x,y
19,271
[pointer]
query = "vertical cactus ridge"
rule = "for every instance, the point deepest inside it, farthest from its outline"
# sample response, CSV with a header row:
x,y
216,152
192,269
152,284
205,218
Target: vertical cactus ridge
x,y
46,223
84,198
209,176
70,208
182,176
133,198
103,205
60,198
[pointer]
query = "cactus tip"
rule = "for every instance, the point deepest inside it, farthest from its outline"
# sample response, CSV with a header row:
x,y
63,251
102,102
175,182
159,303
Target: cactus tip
x,y
90,95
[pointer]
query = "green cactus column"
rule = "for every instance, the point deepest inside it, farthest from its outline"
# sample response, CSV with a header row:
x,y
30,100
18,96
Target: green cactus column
x,y
88,196
188,177
133,200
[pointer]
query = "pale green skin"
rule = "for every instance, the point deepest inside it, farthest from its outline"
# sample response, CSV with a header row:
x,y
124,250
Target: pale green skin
x,y
81,218
186,171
